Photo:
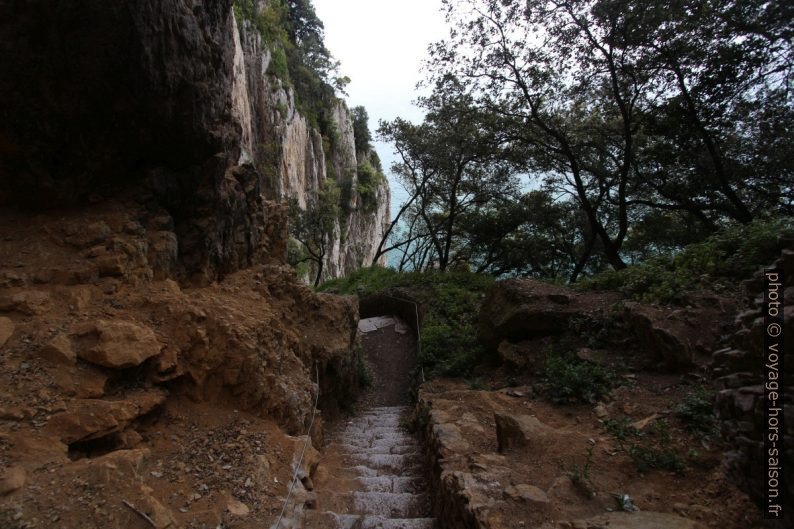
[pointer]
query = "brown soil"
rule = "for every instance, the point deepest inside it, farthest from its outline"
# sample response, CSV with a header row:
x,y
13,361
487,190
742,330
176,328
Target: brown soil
x,y
701,492
195,433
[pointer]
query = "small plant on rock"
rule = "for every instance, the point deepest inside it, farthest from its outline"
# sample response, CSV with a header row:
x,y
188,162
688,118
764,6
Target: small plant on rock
x,y
696,411
647,458
621,429
580,473
571,379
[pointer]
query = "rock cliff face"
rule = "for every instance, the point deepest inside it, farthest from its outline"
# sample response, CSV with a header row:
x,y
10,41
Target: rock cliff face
x,y
170,101
154,347
289,152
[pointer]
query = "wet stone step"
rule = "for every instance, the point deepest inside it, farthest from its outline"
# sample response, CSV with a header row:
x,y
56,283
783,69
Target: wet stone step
x,y
389,490
384,449
391,463
330,520
413,485
386,504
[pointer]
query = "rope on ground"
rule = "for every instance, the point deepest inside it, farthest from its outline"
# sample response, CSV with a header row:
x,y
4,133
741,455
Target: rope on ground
x,y
418,335
305,444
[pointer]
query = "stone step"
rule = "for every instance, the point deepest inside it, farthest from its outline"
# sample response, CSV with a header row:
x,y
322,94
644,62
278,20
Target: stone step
x,y
383,449
330,520
374,432
413,485
385,504
386,463
364,439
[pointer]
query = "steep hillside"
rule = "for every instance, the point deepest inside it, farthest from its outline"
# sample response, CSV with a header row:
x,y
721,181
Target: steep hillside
x,y
173,103
159,359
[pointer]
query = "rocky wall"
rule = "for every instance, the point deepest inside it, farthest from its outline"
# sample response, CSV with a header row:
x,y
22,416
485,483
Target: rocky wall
x,y
168,103
741,402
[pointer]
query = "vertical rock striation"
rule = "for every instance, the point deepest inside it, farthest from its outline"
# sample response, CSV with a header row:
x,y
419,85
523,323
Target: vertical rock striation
x,y
168,102
289,153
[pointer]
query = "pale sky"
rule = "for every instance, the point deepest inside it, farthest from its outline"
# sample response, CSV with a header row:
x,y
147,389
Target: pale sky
x,y
381,45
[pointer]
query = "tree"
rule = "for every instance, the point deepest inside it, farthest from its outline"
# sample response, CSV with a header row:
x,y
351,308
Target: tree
x,y
629,108
450,164
313,226
361,132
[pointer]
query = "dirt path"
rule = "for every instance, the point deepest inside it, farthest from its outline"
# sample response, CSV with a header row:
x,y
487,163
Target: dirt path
x,y
371,474
391,356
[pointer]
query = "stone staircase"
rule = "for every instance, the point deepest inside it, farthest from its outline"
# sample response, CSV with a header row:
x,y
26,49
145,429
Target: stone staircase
x,y
375,477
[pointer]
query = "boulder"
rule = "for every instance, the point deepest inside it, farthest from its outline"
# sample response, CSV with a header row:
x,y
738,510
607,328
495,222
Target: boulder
x,y
13,479
517,309
86,419
30,302
237,508
674,337
523,309
119,344
6,330
527,493
59,350
519,431
526,353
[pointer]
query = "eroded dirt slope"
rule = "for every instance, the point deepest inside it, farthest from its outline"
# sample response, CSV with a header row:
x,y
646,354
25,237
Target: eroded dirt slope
x,y
118,385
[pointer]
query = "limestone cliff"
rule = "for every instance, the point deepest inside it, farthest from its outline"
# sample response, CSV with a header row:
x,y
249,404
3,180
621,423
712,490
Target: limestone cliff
x,y
157,357
172,102
290,152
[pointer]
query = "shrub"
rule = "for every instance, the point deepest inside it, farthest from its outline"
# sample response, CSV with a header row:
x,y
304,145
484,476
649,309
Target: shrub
x,y
621,429
580,473
450,303
278,67
571,379
696,411
369,179
654,458
715,264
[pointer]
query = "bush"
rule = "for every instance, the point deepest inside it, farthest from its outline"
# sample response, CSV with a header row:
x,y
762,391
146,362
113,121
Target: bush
x,y
571,379
717,263
655,458
696,411
621,429
369,179
278,67
450,302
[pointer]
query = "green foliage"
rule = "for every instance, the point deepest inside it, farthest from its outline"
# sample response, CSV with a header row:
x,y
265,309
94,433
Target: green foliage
x,y
450,302
298,258
369,179
621,429
647,458
580,473
717,263
278,65
475,384
696,411
361,132
314,225
571,379
650,449
268,22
